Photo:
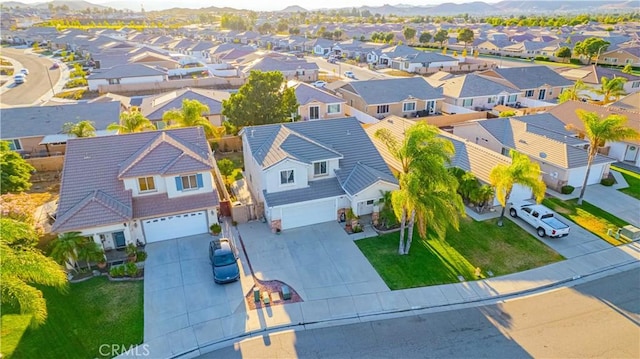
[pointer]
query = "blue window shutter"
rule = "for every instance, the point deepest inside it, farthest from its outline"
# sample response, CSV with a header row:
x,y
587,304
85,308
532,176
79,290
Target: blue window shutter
x,y
199,179
179,183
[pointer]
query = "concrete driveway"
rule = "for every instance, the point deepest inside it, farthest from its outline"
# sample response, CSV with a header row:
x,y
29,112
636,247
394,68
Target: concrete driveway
x,y
179,291
319,261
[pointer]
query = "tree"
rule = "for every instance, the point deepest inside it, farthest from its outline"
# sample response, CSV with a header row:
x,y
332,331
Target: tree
x,y
425,37
465,35
130,122
81,129
599,130
409,33
564,53
226,167
611,88
590,47
574,93
65,248
23,265
90,251
263,99
628,69
441,36
428,191
521,171
15,170
190,115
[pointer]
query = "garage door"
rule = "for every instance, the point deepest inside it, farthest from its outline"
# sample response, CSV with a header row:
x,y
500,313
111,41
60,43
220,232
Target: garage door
x,y
179,225
303,215
576,176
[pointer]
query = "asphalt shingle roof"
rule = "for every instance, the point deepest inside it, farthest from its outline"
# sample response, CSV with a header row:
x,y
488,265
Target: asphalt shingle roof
x,y
393,90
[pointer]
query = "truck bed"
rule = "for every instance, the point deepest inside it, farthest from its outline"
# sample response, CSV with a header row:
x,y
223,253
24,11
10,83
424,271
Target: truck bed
x,y
555,223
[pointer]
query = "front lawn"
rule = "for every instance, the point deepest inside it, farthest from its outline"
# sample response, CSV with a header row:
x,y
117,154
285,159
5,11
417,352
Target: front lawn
x,y
589,217
93,313
633,179
501,250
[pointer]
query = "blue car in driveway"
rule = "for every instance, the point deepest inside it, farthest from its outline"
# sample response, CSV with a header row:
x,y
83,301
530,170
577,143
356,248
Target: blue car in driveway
x,y
224,261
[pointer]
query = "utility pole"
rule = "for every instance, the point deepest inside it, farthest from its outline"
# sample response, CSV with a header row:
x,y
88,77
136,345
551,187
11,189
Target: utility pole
x,y
53,93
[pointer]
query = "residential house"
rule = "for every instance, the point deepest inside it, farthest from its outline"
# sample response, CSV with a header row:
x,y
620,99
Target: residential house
x,y
321,46
316,104
312,172
154,107
535,82
592,76
624,151
36,131
138,188
622,56
405,58
405,97
125,74
542,137
291,67
477,92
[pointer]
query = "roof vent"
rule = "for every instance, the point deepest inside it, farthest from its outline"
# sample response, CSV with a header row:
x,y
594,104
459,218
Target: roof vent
x,y
543,155
252,131
86,156
522,141
348,132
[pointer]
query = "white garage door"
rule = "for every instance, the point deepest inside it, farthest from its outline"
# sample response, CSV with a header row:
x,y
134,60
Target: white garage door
x,y
179,225
576,177
303,215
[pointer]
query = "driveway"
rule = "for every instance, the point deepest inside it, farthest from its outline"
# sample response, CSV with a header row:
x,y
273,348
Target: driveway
x,y
319,261
179,291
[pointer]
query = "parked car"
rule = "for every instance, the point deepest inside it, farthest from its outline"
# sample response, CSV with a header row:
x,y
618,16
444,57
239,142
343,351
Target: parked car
x,y
55,65
224,261
349,74
19,78
24,72
541,218
319,84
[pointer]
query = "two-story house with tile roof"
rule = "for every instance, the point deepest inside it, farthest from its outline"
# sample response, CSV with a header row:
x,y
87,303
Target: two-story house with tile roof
x,y
316,104
311,172
138,188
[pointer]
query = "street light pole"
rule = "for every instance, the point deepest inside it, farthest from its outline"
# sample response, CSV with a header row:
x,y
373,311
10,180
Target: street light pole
x,y
53,93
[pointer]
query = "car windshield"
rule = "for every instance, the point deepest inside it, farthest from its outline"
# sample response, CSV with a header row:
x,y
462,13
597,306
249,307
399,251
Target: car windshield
x,y
223,259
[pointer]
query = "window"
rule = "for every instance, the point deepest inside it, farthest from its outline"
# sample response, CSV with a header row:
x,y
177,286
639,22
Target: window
x,y
383,109
184,183
467,102
314,112
490,100
628,61
408,106
370,202
528,93
333,108
505,151
114,81
542,94
320,168
146,184
512,98
14,145
635,84
286,177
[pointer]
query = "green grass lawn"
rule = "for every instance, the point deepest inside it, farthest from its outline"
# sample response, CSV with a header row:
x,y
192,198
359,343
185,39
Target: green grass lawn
x,y
589,217
93,313
501,250
633,179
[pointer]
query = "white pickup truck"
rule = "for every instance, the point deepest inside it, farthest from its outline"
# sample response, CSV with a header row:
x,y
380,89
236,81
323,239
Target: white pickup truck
x,y
541,218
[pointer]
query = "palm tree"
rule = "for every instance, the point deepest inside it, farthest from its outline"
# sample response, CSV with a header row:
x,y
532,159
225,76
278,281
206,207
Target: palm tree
x,y
424,181
90,251
574,93
190,115
521,171
23,265
65,248
611,88
599,130
130,122
81,129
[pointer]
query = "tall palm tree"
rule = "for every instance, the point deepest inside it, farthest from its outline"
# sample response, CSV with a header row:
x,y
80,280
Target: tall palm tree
x,y
90,251
23,265
611,88
65,248
190,115
132,121
83,128
521,171
573,93
424,181
599,130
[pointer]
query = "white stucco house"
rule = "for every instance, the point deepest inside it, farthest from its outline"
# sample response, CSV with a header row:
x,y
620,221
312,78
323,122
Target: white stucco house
x,y
138,188
125,74
312,172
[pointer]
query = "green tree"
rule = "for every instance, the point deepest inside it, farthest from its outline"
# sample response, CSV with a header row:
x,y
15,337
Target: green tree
x,y
564,53
90,251
611,89
64,249
190,115
590,47
15,171
409,33
24,265
573,93
521,171
599,130
424,38
628,69
465,35
130,122
80,129
226,167
263,99
428,190
441,36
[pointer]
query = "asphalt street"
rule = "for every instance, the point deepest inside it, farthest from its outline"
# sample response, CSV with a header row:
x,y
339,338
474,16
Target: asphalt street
x,y
596,319
37,81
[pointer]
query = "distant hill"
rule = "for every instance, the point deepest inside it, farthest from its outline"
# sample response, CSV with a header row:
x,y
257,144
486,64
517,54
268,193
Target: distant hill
x,y
9,4
293,8
72,4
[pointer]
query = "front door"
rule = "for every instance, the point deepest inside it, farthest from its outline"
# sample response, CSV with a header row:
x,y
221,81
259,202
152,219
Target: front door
x,y
118,238
631,154
314,112
541,94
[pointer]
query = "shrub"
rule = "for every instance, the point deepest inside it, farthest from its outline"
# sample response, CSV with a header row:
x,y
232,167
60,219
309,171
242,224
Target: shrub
x,y
117,271
141,256
567,189
576,62
73,94
130,269
609,181
541,58
77,82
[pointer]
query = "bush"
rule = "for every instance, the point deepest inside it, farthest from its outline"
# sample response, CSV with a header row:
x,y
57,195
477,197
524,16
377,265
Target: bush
x,y
567,189
541,58
77,82
73,94
141,256
576,62
609,181
130,269
117,271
